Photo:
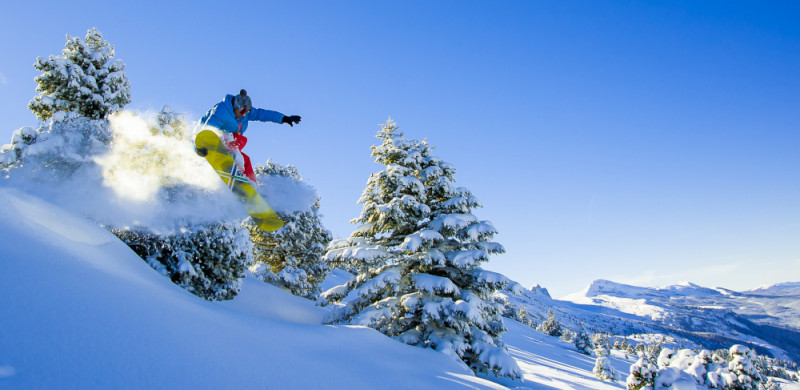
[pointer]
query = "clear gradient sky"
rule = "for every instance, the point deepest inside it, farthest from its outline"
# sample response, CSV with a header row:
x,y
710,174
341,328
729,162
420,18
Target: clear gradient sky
x,y
645,142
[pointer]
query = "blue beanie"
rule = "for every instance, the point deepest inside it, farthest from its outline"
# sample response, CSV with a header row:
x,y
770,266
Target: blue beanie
x,y
242,101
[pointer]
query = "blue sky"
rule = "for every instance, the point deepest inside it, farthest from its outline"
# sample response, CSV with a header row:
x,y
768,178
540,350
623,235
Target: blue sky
x,y
644,142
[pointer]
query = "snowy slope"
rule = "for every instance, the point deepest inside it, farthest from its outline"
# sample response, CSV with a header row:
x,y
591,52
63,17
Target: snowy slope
x,y
81,310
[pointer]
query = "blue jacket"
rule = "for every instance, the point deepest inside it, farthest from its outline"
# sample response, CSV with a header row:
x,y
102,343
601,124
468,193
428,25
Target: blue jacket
x,y
222,117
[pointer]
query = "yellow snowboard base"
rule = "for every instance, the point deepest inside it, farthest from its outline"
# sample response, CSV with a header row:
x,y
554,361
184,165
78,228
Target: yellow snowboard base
x,y
208,145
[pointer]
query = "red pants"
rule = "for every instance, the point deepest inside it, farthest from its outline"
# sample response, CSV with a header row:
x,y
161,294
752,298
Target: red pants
x,y
239,141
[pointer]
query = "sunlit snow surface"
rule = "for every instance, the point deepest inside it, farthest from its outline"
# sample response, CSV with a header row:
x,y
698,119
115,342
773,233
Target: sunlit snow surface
x,y
80,310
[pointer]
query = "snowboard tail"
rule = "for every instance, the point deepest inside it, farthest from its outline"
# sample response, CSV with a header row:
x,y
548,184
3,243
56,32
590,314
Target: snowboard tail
x,y
209,146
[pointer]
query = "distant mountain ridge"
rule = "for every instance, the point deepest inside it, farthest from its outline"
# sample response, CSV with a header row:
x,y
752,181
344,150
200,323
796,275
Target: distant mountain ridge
x,y
774,305
766,318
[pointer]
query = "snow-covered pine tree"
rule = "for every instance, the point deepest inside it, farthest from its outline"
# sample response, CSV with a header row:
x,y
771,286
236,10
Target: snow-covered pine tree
x,y
651,351
421,281
291,257
466,243
522,316
741,366
583,343
86,80
602,339
208,261
170,124
550,326
77,91
393,206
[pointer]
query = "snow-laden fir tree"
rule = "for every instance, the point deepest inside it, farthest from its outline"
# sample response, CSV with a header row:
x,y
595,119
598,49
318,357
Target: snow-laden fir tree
x,y
550,326
602,339
170,124
77,91
466,243
291,257
583,343
207,260
393,206
522,316
85,79
419,248
742,367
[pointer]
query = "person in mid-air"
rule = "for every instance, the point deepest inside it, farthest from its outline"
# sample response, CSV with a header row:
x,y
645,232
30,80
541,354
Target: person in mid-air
x,y
231,116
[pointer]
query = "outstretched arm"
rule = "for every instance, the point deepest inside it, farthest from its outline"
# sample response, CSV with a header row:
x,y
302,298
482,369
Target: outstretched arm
x,y
262,115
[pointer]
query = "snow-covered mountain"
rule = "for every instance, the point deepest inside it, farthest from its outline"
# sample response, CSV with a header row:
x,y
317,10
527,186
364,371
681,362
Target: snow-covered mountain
x,y
776,305
768,317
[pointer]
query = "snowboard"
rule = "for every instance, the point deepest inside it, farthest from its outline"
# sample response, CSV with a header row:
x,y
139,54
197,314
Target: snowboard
x,y
209,145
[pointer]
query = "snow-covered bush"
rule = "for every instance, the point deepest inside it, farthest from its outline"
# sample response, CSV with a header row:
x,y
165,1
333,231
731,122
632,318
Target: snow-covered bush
x,y
86,80
20,140
688,368
418,251
208,261
642,375
602,369
770,384
54,153
700,366
665,357
291,257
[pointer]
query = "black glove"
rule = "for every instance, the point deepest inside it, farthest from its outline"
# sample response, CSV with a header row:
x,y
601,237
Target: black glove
x,y
291,119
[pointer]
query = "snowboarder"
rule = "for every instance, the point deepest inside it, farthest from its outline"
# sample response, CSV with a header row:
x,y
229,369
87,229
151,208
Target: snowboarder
x,y
231,116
